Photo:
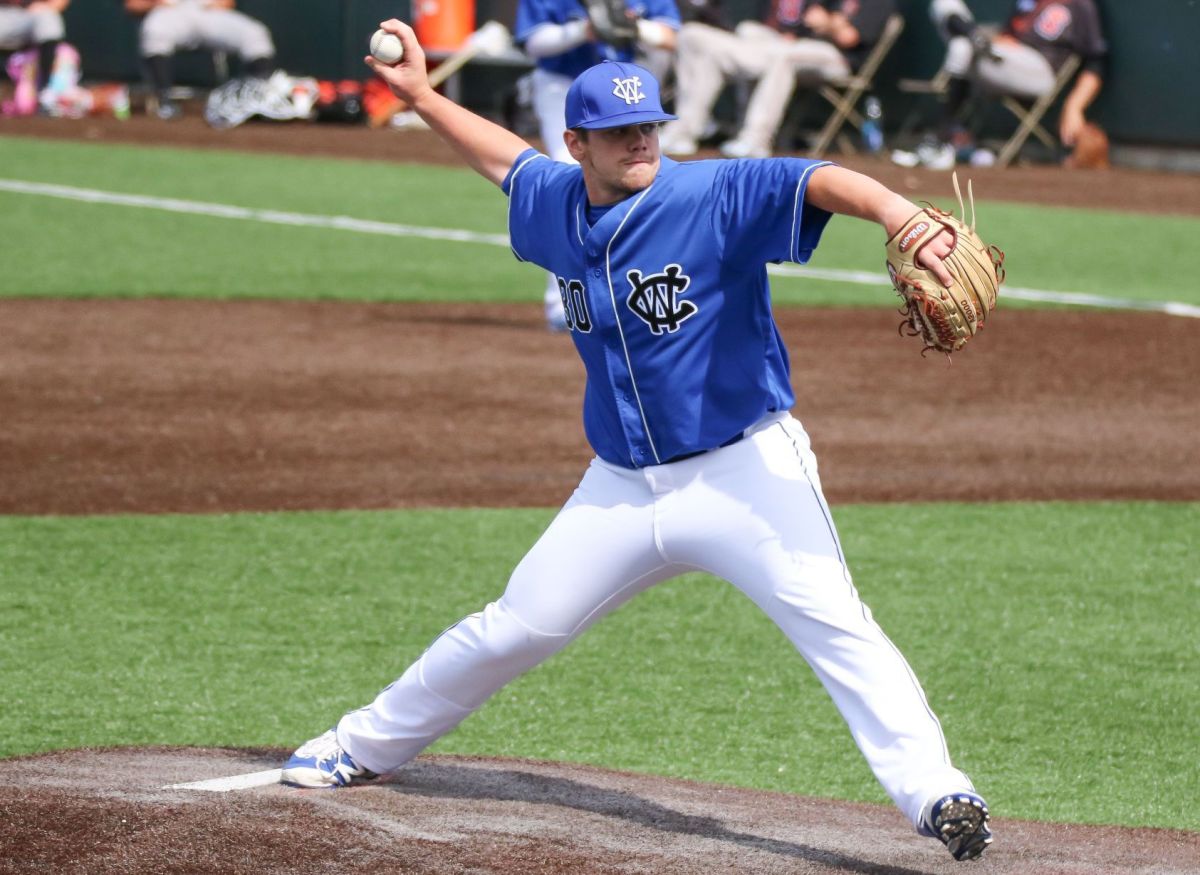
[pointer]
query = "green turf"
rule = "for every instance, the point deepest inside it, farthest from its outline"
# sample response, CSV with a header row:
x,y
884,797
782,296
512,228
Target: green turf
x,y
104,250
1057,642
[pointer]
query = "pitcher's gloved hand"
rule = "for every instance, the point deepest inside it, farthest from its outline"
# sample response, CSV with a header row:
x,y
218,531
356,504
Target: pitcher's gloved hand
x,y
944,318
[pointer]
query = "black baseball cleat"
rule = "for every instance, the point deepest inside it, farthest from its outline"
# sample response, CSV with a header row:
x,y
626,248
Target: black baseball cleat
x,y
960,822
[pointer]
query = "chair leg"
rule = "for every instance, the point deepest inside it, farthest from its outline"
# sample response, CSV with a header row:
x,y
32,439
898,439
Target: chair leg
x,y
1029,121
843,106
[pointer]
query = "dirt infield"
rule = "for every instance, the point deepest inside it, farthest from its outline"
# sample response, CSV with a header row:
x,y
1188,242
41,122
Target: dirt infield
x,y
102,812
121,406
203,406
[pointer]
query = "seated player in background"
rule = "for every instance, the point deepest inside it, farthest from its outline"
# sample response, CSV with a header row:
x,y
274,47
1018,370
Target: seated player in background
x,y
34,25
801,42
170,26
1021,59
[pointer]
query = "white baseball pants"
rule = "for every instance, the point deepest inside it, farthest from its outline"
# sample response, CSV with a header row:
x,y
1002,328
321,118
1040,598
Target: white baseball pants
x,y
168,29
751,513
1016,69
22,28
708,58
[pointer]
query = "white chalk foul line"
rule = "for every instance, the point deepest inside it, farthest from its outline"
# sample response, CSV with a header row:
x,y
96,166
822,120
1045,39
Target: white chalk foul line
x,y
233,782
390,229
1081,299
227,211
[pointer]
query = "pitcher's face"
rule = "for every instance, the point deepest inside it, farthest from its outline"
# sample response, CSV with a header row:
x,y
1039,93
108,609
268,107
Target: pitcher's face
x,y
616,162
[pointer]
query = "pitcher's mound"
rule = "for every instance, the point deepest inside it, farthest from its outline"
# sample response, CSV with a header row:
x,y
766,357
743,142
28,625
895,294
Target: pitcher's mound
x,y
106,811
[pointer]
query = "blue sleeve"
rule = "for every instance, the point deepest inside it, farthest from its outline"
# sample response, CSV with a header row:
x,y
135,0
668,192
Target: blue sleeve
x,y
665,11
528,185
532,14
762,212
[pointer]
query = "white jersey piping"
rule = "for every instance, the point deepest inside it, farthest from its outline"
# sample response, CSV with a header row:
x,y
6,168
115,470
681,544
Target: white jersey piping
x,y
617,314
512,180
794,243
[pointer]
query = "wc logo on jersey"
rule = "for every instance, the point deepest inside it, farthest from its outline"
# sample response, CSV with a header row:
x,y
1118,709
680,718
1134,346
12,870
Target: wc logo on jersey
x,y
655,298
629,90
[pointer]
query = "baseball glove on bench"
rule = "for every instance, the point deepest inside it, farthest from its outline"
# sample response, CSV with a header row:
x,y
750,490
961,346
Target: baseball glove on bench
x,y
945,318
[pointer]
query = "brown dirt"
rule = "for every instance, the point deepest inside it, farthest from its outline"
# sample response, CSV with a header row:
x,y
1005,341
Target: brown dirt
x,y
122,406
158,406
107,813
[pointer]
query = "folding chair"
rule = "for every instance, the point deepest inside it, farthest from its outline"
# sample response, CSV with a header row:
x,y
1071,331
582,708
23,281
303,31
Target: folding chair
x,y
845,91
935,87
1031,118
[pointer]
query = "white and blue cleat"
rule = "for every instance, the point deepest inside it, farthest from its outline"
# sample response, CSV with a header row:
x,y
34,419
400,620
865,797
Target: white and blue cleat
x,y
960,822
322,764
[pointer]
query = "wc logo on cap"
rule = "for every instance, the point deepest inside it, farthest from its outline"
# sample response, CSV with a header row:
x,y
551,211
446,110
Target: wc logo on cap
x,y
629,90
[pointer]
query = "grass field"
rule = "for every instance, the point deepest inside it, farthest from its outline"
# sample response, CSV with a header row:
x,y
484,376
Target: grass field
x,y
1060,651
137,251
1065,683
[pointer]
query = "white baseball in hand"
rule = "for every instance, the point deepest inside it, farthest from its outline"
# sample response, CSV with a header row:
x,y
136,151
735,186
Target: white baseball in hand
x,y
386,47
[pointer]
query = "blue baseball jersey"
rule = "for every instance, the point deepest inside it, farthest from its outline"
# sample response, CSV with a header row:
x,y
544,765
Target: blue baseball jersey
x,y
667,295
532,14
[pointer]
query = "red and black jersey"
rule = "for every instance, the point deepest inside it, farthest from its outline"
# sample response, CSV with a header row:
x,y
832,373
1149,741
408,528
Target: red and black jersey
x,y
1060,28
787,16
867,16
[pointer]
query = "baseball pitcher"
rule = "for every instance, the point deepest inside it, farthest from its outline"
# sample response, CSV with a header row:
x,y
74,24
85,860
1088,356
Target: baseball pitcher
x,y
698,463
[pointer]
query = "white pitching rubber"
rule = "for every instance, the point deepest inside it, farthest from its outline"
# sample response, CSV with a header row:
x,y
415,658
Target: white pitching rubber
x,y
233,782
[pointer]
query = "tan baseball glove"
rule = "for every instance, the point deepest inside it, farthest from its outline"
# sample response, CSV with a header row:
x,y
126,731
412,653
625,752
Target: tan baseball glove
x,y
945,318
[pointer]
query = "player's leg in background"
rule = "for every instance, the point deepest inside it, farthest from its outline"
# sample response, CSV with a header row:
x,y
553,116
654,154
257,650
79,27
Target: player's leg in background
x,y
17,29
47,32
706,58
951,18
966,41
996,66
234,32
659,61
596,554
164,31
549,104
1017,69
798,62
757,517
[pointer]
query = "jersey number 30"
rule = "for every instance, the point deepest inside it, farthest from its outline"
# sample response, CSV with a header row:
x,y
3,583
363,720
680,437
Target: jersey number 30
x,y
575,307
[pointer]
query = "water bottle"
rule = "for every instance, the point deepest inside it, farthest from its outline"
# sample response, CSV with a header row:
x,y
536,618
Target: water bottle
x,y
872,128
